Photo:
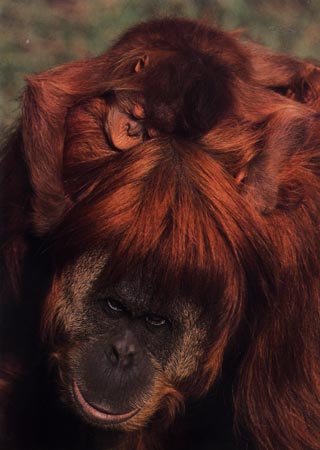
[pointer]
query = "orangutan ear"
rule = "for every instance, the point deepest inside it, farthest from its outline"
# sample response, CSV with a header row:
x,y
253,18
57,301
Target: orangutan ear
x,y
282,136
142,63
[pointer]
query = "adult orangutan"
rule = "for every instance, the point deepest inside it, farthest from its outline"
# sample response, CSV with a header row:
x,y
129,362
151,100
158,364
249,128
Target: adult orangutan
x,y
160,249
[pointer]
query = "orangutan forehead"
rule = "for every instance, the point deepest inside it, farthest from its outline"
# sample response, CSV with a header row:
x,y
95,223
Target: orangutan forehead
x,y
85,278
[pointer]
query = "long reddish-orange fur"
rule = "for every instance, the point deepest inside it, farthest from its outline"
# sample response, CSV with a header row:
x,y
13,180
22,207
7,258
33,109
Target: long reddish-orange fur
x,y
234,211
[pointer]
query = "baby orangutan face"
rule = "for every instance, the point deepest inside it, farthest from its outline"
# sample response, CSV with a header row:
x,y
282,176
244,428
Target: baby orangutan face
x,y
126,127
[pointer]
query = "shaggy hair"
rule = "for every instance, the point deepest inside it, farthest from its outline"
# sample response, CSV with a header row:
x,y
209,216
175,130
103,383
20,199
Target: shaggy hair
x,y
224,204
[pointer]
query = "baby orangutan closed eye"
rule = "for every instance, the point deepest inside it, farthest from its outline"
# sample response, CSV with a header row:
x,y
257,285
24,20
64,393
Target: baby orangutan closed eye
x,y
160,252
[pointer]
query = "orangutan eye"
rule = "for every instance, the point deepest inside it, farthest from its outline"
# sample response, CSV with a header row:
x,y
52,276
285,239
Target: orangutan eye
x,y
155,321
114,305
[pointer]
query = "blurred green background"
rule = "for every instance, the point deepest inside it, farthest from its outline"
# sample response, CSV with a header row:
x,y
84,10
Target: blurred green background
x,y
38,34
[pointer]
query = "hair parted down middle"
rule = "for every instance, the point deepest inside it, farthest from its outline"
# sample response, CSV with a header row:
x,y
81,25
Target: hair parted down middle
x,y
220,204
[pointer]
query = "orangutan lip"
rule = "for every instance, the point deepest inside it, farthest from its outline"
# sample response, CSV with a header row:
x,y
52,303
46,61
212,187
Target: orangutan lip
x,y
104,416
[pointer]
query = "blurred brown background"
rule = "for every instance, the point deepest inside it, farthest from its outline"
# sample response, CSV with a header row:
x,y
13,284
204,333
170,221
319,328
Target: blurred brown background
x,y
38,34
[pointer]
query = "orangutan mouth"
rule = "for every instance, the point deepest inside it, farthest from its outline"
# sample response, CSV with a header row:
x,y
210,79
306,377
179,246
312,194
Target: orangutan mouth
x,y
98,413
